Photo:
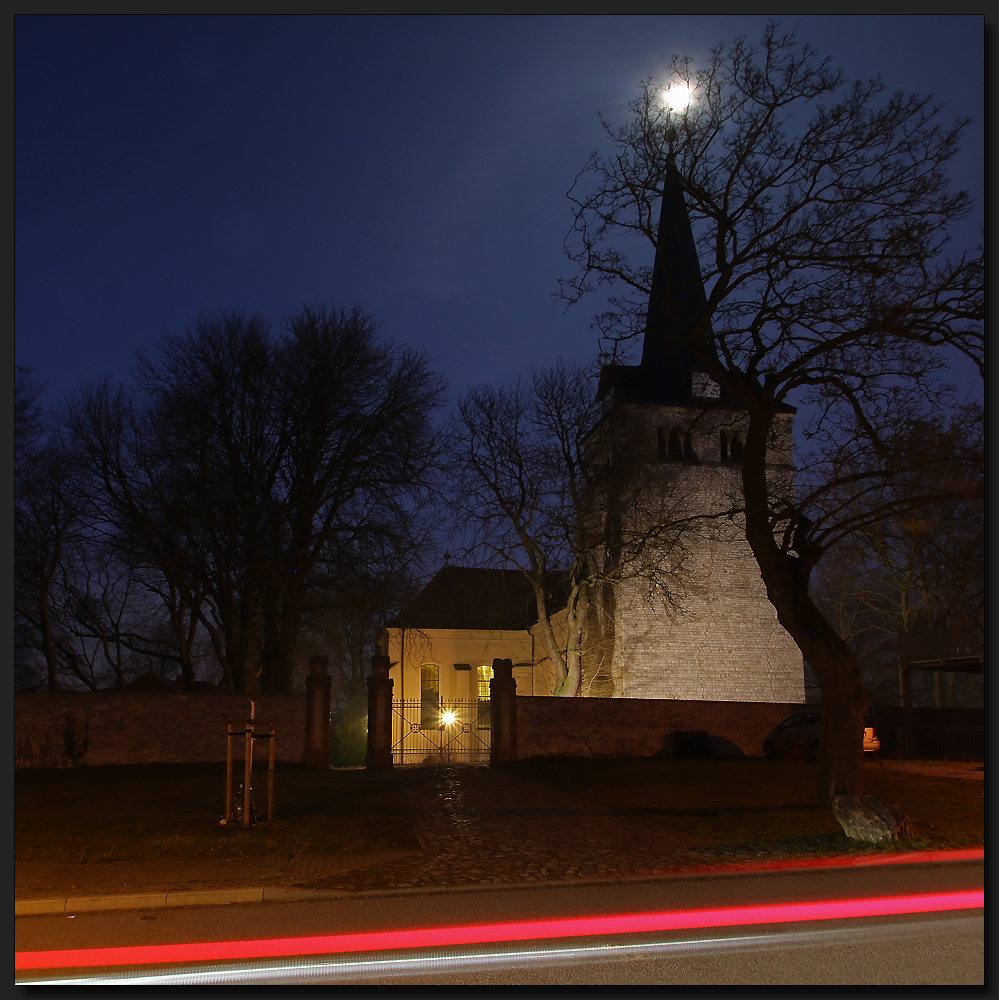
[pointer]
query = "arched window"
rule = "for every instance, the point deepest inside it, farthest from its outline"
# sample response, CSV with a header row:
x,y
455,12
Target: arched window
x,y
675,447
430,694
485,676
723,441
736,448
483,716
689,454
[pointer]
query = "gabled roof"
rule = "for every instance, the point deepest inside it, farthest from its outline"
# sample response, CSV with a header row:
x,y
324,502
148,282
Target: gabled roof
x,y
462,597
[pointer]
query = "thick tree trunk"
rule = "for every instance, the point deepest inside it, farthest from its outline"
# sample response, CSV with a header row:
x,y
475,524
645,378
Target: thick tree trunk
x,y
45,625
576,613
562,683
186,643
48,647
183,620
220,650
836,667
282,642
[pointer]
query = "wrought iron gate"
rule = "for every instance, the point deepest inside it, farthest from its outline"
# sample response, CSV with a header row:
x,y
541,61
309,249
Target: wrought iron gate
x,y
441,732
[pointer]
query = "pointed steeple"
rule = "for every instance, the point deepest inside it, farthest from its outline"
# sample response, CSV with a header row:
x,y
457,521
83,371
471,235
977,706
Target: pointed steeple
x,y
677,302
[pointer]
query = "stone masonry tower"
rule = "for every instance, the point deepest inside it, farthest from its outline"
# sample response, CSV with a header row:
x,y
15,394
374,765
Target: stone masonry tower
x,y
723,641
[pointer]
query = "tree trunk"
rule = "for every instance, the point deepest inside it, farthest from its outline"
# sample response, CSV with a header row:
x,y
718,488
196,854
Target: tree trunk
x,y
185,633
48,648
575,614
836,667
48,570
564,687
220,650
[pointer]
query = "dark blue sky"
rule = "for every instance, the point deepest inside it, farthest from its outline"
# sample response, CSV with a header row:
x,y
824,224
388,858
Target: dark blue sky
x,y
414,166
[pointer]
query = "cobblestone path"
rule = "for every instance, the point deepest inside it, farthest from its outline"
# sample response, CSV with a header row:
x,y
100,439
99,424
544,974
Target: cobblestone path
x,y
485,826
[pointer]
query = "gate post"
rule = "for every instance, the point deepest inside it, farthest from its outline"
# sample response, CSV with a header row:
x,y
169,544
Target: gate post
x,y
317,713
503,712
379,714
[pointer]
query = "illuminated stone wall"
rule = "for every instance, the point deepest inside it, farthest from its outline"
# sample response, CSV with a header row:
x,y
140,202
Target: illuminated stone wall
x,y
721,640
634,727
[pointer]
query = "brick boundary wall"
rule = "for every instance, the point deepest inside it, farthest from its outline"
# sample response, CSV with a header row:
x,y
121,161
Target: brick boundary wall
x,y
126,728
927,717
937,732
638,727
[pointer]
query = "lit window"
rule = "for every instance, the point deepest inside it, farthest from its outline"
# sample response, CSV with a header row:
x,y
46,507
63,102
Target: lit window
x,y
484,708
430,694
485,676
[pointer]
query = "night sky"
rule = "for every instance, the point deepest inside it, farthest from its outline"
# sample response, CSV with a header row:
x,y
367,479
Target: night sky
x,y
414,166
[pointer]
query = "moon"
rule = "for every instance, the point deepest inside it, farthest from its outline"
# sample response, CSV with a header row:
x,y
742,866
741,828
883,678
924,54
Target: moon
x,y
677,96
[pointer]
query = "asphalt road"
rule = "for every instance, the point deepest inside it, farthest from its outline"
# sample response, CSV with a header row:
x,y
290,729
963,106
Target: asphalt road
x,y
945,948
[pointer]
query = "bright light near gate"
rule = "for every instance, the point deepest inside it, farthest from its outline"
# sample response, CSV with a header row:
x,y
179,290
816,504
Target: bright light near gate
x,y
448,718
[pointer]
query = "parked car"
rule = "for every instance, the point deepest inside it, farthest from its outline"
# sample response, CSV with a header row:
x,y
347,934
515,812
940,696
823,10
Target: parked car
x,y
798,735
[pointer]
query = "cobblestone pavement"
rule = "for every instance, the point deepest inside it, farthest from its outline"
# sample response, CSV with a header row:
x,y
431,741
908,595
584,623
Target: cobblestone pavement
x,y
477,826
488,827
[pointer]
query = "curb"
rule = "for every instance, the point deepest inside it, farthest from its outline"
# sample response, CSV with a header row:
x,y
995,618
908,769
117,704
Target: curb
x,y
72,905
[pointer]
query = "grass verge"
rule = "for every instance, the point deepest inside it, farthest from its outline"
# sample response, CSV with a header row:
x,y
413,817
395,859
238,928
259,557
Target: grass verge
x,y
145,811
760,805
730,807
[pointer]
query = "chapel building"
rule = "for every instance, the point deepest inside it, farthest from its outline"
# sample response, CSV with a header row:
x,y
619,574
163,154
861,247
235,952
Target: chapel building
x,y
721,640
677,441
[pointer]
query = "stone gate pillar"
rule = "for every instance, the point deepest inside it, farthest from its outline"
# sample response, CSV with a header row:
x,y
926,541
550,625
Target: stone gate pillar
x,y
317,712
503,712
379,714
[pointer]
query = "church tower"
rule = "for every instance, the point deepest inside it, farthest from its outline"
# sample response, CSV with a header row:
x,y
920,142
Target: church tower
x,y
681,443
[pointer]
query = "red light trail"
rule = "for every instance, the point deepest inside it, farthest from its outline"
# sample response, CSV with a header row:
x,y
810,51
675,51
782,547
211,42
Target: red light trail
x,y
221,951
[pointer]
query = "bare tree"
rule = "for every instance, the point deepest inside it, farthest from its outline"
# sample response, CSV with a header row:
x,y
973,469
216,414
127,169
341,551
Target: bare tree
x,y
46,528
122,621
246,472
79,604
919,571
544,492
822,214
28,420
348,630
